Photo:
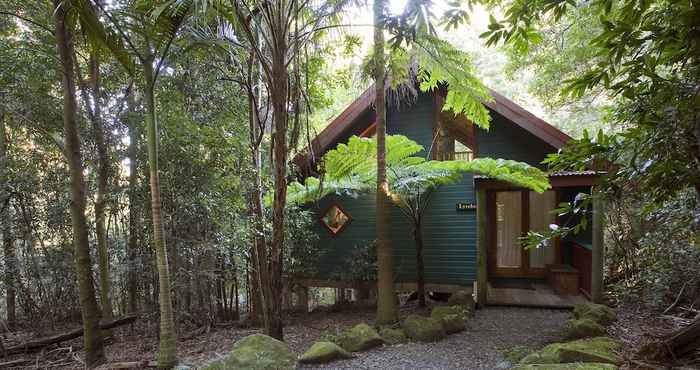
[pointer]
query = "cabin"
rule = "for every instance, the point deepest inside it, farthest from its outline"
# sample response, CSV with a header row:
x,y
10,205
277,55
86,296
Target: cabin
x,y
472,228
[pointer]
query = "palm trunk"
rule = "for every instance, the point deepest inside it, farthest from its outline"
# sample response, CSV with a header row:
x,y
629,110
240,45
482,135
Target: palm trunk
x,y
133,209
94,348
102,183
6,227
420,266
167,354
386,305
278,95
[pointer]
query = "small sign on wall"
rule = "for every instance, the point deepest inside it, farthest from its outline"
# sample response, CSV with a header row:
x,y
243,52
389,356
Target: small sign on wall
x,y
462,207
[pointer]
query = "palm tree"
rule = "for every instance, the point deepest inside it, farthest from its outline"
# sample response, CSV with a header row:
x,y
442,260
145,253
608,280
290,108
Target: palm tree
x,y
94,347
386,304
158,30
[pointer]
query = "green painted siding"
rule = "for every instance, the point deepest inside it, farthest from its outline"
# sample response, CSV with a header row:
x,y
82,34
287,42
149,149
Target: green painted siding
x,y
508,141
449,236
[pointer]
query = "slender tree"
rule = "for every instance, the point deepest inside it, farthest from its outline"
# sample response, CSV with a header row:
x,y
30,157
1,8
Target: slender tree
x,y
6,222
94,347
386,303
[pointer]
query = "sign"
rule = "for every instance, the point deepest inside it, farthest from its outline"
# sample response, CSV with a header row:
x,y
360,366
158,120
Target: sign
x,y
461,207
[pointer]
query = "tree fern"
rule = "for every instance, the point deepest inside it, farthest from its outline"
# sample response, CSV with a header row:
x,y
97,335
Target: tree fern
x,y
351,169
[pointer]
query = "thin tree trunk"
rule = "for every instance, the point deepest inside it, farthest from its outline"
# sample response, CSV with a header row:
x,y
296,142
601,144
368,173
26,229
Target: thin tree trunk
x,y
420,266
167,354
133,207
386,305
94,347
103,172
6,226
279,98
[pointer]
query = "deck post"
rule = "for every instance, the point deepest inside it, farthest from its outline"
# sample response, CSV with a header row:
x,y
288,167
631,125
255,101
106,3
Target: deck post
x,y
598,247
481,248
302,299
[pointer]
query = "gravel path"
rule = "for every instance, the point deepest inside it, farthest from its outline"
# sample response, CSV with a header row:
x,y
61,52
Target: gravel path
x,y
479,348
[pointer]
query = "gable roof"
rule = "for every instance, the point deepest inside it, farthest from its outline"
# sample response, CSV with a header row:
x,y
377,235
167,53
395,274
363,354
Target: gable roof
x,y
363,105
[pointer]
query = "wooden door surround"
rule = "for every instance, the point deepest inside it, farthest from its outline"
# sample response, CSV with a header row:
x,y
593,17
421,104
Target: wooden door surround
x,y
525,270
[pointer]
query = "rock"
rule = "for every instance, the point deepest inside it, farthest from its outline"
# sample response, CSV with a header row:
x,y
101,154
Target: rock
x,y
515,354
257,352
453,323
583,328
423,329
361,337
321,352
600,349
442,311
462,298
599,313
393,336
581,366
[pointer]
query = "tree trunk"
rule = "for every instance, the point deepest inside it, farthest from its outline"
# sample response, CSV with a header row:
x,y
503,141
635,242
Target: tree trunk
x,y
256,310
279,98
420,266
133,207
6,226
94,348
386,304
103,171
167,354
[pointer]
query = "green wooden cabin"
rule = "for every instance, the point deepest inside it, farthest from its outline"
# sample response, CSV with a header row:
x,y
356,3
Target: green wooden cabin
x,y
471,228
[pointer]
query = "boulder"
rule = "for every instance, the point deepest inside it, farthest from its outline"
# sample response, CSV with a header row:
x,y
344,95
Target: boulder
x,y
257,352
423,329
515,354
581,366
453,323
462,298
321,352
599,313
393,336
361,337
583,328
597,350
442,311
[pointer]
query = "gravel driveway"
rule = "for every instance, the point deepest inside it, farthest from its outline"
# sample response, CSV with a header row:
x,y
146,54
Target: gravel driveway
x,y
479,347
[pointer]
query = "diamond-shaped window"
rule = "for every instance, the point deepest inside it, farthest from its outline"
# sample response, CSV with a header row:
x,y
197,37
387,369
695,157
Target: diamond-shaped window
x,y
335,219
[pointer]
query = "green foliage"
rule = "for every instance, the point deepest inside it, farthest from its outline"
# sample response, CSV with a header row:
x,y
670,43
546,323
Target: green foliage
x,y
351,168
660,264
360,265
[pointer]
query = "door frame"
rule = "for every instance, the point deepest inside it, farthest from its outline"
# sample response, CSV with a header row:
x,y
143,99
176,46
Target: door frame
x,y
525,271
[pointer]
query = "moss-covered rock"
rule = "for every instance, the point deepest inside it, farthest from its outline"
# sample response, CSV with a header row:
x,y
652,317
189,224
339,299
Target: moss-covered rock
x,y
581,366
583,328
393,336
599,313
257,352
321,352
453,323
361,337
462,298
441,311
515,354
600,349
423,329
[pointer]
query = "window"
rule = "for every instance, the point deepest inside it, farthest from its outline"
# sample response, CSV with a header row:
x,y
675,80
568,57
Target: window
x,y
462,152
335,219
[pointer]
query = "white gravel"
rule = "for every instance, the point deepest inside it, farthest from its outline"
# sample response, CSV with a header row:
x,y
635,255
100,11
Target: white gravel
x,y
488,333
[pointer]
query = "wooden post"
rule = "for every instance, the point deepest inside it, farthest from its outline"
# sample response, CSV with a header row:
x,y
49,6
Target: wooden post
x,y
303,299
598,252
481,248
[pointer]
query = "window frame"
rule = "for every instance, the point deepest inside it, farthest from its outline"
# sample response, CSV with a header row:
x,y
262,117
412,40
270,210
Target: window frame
x,y
325,225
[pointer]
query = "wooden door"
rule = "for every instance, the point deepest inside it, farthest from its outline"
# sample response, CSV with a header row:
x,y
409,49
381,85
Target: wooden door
x,y
507,257
511,214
